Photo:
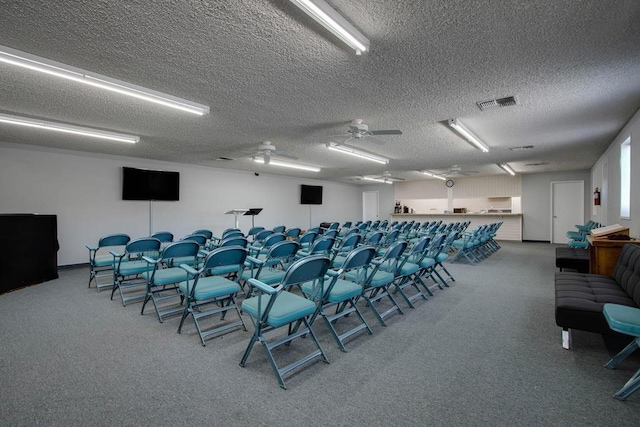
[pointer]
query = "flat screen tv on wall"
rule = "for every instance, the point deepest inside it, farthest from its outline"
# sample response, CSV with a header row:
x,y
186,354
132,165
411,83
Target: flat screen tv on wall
x,y
145,184
310,194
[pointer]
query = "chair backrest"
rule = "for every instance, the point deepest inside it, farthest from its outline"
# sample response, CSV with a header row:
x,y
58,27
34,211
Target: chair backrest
x,y
113,240
207,233
142,246
322,245
334,226
349,242
254,230
418,252
374,238
273,239
234,241
314,230
293,232
201,239
331,233
308,237
225,256
163,236
347,224
279,229
263,235
183,248
390,258
233,233
435,246
359,257
282,251
305,270
391,237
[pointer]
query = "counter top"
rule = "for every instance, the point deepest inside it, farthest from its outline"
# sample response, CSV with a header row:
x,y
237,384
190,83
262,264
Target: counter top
x,y
458,214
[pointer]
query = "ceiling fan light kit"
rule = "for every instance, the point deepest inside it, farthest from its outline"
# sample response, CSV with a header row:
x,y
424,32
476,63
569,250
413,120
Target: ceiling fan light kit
x,y
66,128
43,65
281,163
505,167
468,135
334,22
346,149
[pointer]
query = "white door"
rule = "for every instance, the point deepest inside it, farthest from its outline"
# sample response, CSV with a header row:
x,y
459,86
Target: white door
x,y
369,206
567,209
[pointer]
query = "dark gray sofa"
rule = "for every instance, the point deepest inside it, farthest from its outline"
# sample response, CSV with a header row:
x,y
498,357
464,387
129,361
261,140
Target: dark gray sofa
x,y
580,297
573,259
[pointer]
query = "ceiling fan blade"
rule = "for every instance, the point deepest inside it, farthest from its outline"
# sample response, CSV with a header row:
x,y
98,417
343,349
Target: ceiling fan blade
x,y
386,132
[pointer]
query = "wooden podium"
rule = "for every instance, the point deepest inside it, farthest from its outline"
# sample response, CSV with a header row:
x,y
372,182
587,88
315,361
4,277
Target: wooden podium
x,y
604,252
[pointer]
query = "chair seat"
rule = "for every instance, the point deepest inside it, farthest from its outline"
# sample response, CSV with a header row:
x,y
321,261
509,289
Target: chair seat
x,y
103,260
210,287
623,319
166,276
341,291
270,276
427,263
442,257
381,278
287,308
224,270
129,268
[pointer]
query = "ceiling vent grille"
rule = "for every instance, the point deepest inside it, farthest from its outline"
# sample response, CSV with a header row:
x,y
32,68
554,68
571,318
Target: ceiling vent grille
x,y
224,158
499,102
537,164
523,147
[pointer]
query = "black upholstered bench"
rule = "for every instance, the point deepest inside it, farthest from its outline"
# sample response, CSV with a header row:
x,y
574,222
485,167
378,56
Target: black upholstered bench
x,y
580,297
573,259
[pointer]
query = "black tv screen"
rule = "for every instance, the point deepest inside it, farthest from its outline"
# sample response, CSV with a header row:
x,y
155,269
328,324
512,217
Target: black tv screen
x,y
310,195
144,184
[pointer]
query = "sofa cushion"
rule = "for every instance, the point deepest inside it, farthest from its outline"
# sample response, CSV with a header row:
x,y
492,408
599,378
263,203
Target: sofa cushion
x,y
572,258
627,271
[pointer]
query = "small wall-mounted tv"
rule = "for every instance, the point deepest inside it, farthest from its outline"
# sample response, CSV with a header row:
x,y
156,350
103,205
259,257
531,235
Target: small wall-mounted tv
x,y
145,184
310,194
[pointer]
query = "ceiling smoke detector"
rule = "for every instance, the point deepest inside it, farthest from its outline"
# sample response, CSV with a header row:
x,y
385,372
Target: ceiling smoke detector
x,y
509,101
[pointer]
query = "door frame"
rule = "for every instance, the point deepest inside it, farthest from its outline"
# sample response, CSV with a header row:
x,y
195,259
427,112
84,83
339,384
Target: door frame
x,y
551,194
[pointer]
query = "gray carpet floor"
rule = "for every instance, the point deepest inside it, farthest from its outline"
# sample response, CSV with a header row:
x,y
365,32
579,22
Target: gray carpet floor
x,y
485,351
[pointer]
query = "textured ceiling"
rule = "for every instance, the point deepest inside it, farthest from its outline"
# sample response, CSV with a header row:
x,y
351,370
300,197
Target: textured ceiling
x,y
269,72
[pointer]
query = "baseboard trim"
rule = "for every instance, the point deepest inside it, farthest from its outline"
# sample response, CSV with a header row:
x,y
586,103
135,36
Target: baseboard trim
x,y
536,241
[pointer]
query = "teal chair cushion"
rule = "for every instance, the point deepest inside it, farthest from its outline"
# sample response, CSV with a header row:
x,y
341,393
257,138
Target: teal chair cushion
x,y
210,287
103,260
381,278
129,268
409,268
442,257
287,308
427,263
270,276
623,319
341,291
165,276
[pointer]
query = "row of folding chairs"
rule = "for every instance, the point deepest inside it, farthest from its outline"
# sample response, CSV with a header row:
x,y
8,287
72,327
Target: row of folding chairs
x,y
335,288
578,237
204,282
476,245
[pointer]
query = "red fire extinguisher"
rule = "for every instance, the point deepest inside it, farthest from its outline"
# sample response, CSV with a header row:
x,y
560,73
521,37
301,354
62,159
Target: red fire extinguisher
x,y
596,197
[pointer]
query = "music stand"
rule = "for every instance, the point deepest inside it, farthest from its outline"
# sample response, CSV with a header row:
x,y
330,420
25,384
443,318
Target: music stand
x,y
236,212
253,212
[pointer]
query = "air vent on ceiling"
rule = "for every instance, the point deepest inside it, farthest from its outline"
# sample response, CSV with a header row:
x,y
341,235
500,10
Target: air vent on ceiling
x,y
537,164
522,147
224,158
499,102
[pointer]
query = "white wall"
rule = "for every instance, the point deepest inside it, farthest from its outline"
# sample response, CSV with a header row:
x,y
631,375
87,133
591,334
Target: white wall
x,y
536,201
611,191
85,192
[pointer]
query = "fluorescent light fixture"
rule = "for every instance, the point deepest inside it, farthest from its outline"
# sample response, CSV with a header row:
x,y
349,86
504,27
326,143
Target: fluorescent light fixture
x,y
287,164
62,127
384,181
43,65
466,133
357,153
433,175
505,167
332,21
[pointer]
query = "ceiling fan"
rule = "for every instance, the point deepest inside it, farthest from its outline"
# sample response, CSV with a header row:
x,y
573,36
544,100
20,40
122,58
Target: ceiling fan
x,y
359,130
266,149
457,170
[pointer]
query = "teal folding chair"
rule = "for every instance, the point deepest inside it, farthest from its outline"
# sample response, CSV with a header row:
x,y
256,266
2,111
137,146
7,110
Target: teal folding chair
x,y
340,252
428,265
380,276
212,290
293,233
165,275
625,320
129,266
343,294
163,236
279,229
102,265
321,246
407,272
276,307
271,268
306,240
